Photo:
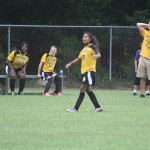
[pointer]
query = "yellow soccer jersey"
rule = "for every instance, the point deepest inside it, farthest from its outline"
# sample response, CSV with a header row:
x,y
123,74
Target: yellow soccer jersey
x,y
87,62
49,62
145,51
18,59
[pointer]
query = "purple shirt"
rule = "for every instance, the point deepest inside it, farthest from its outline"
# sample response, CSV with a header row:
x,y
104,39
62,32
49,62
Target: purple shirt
x,y
137,56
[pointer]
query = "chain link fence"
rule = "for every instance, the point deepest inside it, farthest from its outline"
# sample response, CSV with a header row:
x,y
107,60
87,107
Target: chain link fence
x,y
118,46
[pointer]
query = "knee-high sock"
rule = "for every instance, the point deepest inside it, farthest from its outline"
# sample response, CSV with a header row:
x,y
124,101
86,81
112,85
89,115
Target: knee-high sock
x,y
22,84
48,85
79,100
12,84
93,99
58,83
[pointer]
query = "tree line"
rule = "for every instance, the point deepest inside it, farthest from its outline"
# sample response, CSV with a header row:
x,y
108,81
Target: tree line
x,y
74,12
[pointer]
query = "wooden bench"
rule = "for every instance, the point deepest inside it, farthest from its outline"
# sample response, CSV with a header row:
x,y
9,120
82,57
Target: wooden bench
x,y
6,78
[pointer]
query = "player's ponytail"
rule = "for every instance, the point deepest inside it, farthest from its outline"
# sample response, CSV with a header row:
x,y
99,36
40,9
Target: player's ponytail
x,y
95,41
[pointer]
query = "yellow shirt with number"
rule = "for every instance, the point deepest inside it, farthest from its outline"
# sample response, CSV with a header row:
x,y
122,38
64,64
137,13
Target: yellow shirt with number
x,y
87,62
48,62
145,51
18,60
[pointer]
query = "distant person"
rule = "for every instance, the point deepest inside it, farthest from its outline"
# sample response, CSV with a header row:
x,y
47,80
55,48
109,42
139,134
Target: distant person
x,y
2,86
137,80
47,65
17,62
143,71
88,56
2,70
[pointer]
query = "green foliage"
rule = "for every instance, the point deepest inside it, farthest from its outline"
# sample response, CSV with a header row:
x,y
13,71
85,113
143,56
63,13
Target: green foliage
x,y
138,16
70,47
2,56
73,12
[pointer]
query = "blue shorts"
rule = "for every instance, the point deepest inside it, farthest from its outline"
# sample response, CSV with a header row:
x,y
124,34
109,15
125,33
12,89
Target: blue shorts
x,y
88,78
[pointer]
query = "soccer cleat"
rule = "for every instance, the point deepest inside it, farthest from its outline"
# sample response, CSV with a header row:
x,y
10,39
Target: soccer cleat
x,y
46,94
98,109
147,94
59,94
142,96
134,93
20,93
72,110
12,93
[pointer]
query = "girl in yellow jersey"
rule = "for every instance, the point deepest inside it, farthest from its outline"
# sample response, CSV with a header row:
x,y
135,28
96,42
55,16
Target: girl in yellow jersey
x,y
88,56
47,65
17,62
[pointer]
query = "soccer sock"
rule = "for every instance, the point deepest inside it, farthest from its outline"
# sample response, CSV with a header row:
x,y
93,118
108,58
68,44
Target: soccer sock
x,y
12,84
147,92
93,99
58,83
48,85
21,85
79,100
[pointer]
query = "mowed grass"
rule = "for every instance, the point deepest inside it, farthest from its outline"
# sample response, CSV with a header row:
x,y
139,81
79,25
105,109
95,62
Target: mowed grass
x,y
34,122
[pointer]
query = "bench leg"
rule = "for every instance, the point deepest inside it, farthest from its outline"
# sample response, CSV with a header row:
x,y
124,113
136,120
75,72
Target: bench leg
x,y
6,85
62,82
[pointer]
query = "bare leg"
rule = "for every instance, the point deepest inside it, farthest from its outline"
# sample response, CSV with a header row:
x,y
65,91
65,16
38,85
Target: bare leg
x,y
135,87
142,85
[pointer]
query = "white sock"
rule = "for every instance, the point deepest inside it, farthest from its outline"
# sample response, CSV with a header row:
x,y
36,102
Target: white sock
x,y
147,92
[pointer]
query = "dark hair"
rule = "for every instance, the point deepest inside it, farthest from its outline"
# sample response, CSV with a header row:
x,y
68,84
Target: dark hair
x,y
20,46
93,38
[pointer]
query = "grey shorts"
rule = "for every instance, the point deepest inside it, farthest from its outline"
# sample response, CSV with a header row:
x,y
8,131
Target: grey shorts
x,y
143,68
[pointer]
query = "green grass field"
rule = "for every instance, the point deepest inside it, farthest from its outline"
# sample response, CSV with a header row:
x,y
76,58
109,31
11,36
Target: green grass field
x,y
34,122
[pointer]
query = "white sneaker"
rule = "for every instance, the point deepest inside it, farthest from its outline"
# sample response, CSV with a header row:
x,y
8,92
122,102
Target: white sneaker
x,y
12,93
98,109
72,110
148,93
134,93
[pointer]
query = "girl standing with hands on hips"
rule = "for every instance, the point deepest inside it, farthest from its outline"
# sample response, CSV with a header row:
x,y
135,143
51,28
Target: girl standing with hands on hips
x,y
88,56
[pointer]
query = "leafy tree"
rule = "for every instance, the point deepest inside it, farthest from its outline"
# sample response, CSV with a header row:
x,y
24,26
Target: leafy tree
x,y
74,12
138,16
